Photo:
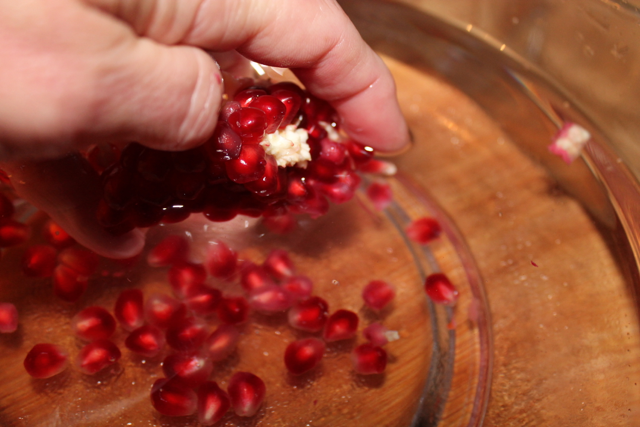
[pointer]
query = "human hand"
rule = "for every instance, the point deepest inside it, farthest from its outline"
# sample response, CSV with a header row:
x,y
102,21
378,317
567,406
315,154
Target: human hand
x,y
79,72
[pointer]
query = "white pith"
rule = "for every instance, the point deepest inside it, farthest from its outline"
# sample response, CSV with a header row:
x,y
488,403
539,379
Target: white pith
x,y
288,146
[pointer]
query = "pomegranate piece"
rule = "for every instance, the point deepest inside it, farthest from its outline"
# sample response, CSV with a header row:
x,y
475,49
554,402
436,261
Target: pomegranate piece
x,y
173,399
380,194
341,325
213,403
203,300
162,310
187,334
440,289
246,392
93,323
222,261
39,261
368,359
8,318
170,250
279,264
12,233
233,310
68,284
303,355
97,356
423,230
6,207
56,235
191,369
309,315
185,275
270,299
299,287
45,360
378,334
83,261
378,294
147,341
129,309
222,342
254,277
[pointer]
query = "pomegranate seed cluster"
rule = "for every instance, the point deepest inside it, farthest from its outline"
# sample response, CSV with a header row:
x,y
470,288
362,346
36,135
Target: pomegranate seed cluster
x,y
276,151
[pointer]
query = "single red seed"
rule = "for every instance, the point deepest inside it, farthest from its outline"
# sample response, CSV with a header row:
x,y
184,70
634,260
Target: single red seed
x,y
280,223
249,166
222,342
171,249
45,360
8,318
376,334
246,392
225,144
309,314
272,182
380,195
221,261
360,154
368,359
233,310
440,289
173,399
213,403
273,108
191,369
423,230
185,275
332,151
324,170
39,261
162,310
81,260
187,334
315,206
129,309
380,167
341,325
291,101
279,264
94,323
229,108
250,123
12,233
247,96
270,299
343,189
147,341
68,284
56,235
299,287
203,300
378,294
97,356
303,355
6,207
254,277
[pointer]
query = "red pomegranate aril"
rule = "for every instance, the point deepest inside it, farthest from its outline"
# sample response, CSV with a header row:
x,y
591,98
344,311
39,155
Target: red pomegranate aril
x,y
343,189
39,261
81,260
173,399
247,96
423,230
299,287
94,323
153,165
254,277
273,108
333,151
309,314
377,334
45,360
162,310
56,235
6,207
246,392
380,195
191,369
369,359
221,261
280,223
185,275
147,341
8,318
270,299
96,356
227,109
250,123
279,264
225,144
233,310
222,342
68,284
378,294
170,250
324,170
440,289
315,206
249,166
129,309
203,300
380,167
187,334
12,233
360,154
341,325
303,355
272,182
213,403
291,101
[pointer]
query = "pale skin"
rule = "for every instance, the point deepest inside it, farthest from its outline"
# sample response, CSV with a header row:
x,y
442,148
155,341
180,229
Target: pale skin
x,y
77,72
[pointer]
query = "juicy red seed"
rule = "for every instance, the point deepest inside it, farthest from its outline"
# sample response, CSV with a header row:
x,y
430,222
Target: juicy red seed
x,y
97,356
291,101
332,151
380,194
298,189
147,341
272,182
368,359
380,167
45,360
233,310
229,108
68,284
375,333
250,123
360,154
315,206
187,334
8,318
343,189
270,299
191,369
81,260
440,289
170,250
222,261
423,230
162,310
279,264
273,108
129,309
225,144
185,275
341,325
249,166
309,314
247,96
299,287
280,224
324,170
246,392
203,300
222,342
12,233
153,165
254,277
101,156
213,403
173,399
39,261
94,323
303,355
56,235
378,294
6,207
